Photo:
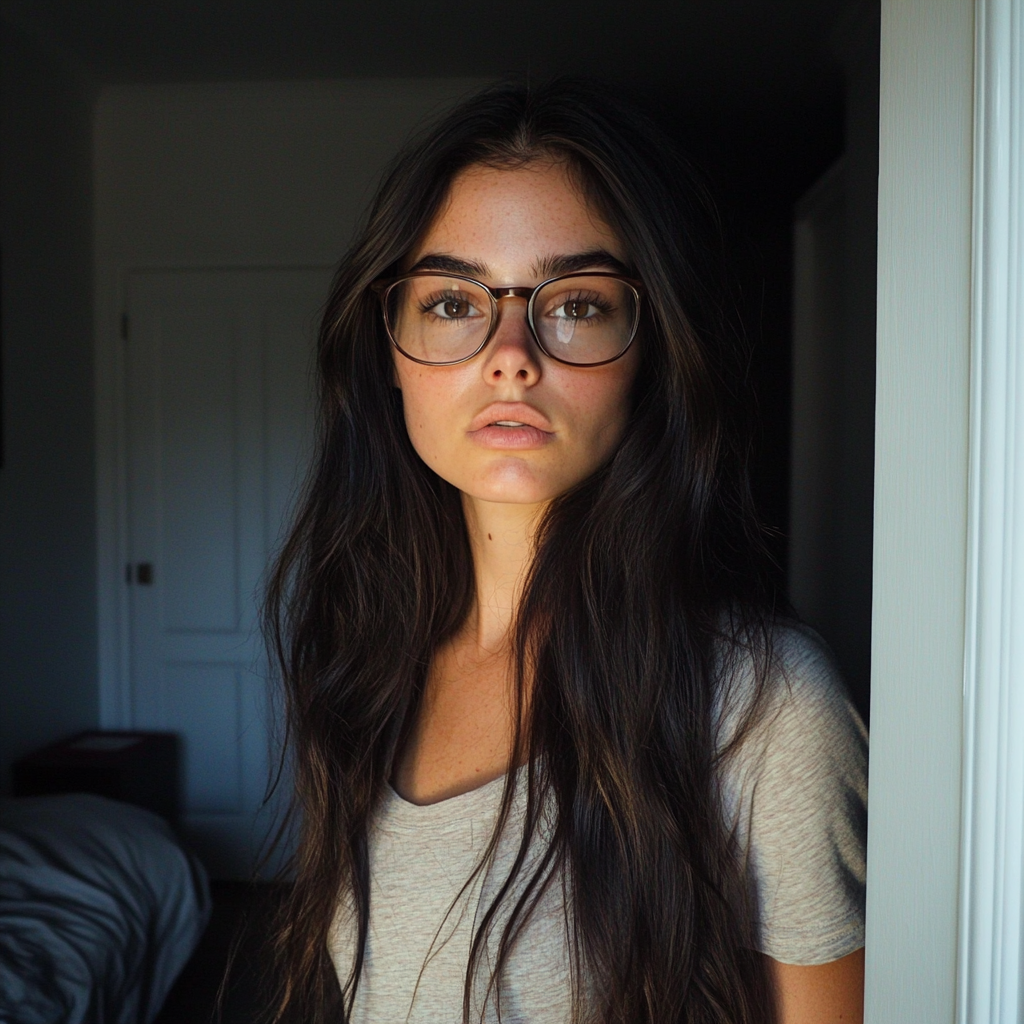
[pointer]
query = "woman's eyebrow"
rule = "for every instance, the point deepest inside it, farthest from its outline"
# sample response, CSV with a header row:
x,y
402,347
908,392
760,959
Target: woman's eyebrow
x,y
448,265
549,266
570,263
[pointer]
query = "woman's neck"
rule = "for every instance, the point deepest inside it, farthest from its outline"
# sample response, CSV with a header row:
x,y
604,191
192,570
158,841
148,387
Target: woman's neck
x,y
501,538
463,731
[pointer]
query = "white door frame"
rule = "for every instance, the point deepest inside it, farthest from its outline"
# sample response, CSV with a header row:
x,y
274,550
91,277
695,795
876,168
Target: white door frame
x,y
990,952
920,516
947,745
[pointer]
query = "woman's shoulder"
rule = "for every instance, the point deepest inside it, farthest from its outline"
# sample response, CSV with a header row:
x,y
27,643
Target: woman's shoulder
x,y
780,685
794,787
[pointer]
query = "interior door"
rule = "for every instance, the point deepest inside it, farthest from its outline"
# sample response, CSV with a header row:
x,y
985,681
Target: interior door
x,y
218,374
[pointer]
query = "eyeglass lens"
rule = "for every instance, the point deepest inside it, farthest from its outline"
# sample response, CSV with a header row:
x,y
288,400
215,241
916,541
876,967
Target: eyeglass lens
x,y
583,319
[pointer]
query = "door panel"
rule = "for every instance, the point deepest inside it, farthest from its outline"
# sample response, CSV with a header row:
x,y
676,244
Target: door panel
x,y
218,402
198,449
201,704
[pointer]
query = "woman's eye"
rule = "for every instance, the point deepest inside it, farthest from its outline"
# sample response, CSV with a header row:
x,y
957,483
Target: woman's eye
x,y
576,309
453,308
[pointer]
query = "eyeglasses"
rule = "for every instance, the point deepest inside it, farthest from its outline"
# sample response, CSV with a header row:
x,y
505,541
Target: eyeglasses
x,y
580,319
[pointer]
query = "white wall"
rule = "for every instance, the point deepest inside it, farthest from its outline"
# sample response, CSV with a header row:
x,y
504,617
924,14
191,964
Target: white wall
x,y
48,677
272,175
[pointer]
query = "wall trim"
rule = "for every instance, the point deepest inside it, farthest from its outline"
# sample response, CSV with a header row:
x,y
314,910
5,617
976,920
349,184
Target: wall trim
x,y
992,857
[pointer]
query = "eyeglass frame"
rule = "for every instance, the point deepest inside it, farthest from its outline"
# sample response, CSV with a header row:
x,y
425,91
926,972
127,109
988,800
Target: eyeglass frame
x,y
384,286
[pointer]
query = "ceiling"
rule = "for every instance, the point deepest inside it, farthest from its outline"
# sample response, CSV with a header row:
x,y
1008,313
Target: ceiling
x,y
709,56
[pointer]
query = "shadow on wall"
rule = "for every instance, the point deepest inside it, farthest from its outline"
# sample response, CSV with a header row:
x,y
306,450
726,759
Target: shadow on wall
x,y
48,676
835,240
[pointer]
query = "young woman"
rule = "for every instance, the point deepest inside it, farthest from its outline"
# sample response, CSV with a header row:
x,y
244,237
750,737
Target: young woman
x,y
557,755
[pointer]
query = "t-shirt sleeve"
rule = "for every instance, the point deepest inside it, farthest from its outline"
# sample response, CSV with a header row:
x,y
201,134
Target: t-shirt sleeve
x,y
795,791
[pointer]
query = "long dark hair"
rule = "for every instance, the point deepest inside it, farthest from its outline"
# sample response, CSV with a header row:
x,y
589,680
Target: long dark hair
x,y
646,579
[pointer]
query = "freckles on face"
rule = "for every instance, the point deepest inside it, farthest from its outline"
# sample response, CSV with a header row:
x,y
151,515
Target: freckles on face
x,y
511,424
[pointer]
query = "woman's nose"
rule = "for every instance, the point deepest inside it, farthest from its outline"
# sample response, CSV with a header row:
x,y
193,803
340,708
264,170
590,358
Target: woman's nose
x,y
512,353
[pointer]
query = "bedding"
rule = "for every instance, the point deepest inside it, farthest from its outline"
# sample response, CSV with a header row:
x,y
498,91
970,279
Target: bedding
x,y
100,908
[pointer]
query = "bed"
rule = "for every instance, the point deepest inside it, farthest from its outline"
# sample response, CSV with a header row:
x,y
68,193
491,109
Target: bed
x,y
100,908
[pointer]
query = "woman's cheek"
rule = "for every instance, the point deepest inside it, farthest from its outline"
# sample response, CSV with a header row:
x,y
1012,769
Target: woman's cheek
x,y
430,422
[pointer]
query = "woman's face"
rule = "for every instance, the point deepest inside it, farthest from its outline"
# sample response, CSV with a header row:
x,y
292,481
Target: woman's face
x,y
515,228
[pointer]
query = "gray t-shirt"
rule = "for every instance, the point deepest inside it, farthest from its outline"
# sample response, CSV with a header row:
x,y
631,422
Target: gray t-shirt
x,y
795,792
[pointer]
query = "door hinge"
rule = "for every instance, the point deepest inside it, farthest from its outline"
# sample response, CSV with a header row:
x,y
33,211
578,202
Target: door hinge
x,y
124,326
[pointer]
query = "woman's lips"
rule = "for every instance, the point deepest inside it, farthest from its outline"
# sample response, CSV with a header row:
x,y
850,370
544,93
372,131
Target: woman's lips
x,y
514,425
510,412
522,436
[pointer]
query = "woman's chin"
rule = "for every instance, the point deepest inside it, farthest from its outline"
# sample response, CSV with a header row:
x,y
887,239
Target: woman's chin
x,y
514,484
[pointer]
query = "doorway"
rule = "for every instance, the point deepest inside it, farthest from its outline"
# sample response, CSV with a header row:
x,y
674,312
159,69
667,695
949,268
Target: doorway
x,y
217,394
